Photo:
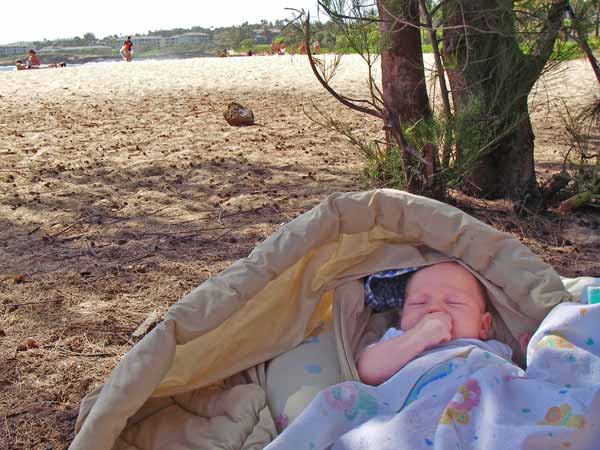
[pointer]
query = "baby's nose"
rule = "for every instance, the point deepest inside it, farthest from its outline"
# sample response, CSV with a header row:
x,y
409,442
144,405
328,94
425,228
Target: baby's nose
x,y
437,307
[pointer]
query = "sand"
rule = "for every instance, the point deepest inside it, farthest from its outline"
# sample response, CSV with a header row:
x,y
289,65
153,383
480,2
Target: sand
x,y
122,188
235,74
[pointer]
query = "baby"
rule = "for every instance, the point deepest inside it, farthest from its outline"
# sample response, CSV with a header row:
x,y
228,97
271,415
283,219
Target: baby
x,y
442,302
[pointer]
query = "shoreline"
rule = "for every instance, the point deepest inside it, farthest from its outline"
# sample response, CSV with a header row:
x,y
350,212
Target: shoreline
x,y
81,59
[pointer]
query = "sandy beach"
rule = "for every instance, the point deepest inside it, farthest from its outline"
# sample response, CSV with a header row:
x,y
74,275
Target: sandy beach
x,y
267,73
123,188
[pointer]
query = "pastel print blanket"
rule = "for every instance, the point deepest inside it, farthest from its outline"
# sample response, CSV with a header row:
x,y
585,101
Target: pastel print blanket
x,y
468,395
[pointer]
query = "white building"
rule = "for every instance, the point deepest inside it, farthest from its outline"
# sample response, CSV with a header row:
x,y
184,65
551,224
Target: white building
x,y
161,41
170,41
191,38
8,50
138,41
73,49
146,41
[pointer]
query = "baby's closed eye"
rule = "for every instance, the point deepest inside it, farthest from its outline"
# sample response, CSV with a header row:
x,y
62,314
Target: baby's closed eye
x,y
416,302
457,302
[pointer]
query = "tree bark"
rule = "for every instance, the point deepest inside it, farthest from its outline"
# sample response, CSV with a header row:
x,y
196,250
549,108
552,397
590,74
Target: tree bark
x,y
402,71
403,80
597,17
490,79
507,170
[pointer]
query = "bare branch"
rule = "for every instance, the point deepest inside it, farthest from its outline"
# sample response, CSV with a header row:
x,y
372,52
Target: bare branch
x,y
545,43
583,43
341,98
336,15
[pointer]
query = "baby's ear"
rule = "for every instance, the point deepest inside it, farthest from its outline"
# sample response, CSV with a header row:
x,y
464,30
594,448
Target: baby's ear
x,y
486,322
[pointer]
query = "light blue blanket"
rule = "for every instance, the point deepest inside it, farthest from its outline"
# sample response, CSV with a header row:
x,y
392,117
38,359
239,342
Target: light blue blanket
x,y
468,395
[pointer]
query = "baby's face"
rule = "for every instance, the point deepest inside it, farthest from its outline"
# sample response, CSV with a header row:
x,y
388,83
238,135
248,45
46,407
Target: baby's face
x,y
451,289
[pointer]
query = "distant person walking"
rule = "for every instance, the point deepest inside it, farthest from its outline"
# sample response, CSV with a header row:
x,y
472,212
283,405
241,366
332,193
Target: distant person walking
x,y
303,48
316,46
127,49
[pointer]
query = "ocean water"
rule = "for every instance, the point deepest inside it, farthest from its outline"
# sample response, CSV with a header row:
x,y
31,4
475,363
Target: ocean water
x,y
116,61
12,68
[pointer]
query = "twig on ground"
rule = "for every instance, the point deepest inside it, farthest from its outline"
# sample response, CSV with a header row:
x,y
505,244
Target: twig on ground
x,y
7,428
106,276
217,238
486,210
76,255
50,236
29,233
71,352
102,330
242,211
128,261
199,230
72,238
30,409
277,188
18,305
141,216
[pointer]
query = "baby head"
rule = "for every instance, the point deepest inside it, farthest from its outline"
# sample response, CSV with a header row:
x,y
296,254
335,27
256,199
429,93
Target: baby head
x,y
449,288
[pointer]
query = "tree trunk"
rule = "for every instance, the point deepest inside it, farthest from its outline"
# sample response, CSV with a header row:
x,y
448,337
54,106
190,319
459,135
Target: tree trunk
x,y
508,169
403,81
402,71
490,80
597,16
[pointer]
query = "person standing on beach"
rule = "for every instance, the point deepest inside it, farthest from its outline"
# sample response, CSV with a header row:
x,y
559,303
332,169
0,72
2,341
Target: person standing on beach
x,y
127,49
316,46
302,48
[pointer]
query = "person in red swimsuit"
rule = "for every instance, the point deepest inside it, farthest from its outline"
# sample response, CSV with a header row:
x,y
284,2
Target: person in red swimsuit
x,y
33,62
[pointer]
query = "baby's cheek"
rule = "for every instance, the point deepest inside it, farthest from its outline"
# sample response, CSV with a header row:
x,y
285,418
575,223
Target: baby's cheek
x,y
464,328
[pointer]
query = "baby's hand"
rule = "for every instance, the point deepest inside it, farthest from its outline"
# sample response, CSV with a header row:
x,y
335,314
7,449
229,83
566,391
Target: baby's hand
x,y
435,328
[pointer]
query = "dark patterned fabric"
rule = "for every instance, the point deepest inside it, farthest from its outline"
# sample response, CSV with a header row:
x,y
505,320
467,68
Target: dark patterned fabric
x,y
385,290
